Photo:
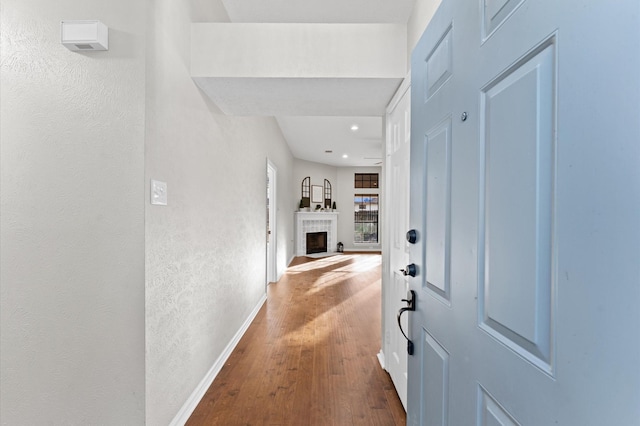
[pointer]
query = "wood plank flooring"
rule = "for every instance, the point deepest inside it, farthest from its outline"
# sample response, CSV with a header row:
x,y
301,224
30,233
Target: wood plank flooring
x,y
309,357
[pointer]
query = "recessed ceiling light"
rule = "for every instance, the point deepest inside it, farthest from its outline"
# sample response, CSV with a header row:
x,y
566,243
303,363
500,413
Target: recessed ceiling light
x,y
354,127
328,151
345,156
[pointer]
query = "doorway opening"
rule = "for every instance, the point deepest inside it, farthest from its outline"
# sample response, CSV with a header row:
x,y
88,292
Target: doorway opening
x,y
271,270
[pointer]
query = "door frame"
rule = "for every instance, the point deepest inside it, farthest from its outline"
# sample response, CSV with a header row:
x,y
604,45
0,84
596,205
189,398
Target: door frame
x,y
388,307
271,270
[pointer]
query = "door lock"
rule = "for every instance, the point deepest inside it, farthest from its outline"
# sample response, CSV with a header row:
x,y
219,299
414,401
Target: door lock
x,y
410,270
411,306
412,236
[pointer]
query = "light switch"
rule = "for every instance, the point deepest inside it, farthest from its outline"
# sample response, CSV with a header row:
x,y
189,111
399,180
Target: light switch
x,y
158,193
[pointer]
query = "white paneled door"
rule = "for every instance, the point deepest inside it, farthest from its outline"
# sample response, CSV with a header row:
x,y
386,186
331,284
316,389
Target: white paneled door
x,y
397,199
525,195
272,273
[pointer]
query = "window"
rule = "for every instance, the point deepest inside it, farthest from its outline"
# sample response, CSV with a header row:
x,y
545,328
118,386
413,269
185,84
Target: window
x,y
315,193
365,219
327,194
306,192
366,180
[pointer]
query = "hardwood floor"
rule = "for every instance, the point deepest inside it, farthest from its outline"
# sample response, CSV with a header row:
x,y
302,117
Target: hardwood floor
x,y
309,357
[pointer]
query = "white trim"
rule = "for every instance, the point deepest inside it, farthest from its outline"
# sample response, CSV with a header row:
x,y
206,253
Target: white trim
x,y
194,399
381,360
404,86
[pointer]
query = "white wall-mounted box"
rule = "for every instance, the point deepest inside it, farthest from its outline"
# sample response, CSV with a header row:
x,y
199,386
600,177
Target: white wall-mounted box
x,y
84,35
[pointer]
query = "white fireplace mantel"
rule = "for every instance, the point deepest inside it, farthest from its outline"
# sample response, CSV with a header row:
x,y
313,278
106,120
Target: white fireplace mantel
x,y
316,222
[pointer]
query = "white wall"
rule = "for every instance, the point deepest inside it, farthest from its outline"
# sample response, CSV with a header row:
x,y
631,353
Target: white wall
x,y
72,221
345,206
318,173
205,251
341,179
309,50
423,11
80,242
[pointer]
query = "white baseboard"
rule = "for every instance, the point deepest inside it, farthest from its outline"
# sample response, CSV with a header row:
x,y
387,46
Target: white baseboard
x,y
192,402
381,359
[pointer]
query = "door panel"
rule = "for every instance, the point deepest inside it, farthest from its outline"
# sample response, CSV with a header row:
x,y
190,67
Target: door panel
x,y
438,65
435,376
518,116
432,139
490,413
495,13
536,234
396,286
438,186
399,199
398,349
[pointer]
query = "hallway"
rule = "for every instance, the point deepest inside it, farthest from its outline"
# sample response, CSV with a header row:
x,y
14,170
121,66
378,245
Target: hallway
x,y
309,357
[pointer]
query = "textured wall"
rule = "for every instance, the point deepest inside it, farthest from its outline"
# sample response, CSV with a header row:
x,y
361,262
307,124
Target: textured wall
x,y
72,246
307,50
318,173
206,250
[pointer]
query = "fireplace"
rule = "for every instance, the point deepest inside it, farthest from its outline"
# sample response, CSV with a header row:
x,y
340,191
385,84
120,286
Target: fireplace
x,y
310,222
316,242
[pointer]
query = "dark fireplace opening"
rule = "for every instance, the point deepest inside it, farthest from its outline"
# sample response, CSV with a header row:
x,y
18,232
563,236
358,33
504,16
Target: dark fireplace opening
x,y
316,242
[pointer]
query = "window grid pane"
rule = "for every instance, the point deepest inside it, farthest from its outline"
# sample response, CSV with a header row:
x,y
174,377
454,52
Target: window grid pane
x,y
366,180
365,218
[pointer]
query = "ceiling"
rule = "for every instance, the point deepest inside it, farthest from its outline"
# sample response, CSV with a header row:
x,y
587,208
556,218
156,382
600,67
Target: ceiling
x,y
324,123
310,137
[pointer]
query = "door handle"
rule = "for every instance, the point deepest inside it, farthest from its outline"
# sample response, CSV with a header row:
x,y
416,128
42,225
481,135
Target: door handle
x,y
411,306
412,236
410,270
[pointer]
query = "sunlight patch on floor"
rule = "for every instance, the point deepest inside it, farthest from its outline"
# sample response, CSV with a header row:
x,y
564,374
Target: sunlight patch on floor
x,y
319,263
327,262
321,325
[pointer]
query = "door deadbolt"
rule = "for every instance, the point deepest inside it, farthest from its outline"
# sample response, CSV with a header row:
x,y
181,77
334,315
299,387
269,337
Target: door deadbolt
x,y
412,236
410,270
